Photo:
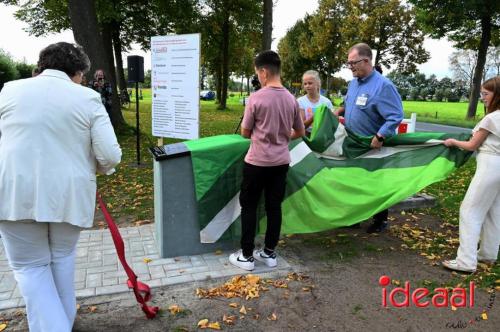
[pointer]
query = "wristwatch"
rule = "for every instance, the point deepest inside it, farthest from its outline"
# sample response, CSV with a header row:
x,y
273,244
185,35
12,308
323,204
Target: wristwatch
x,y
379,138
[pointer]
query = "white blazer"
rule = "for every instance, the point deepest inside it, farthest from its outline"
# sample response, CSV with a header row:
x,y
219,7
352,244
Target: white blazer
x,y
54,136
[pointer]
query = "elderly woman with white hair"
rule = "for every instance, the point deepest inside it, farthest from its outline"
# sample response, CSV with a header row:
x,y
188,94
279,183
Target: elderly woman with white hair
x,y
311,83
55,136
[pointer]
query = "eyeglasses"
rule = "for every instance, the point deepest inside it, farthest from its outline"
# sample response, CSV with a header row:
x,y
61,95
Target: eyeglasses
x,y
352,63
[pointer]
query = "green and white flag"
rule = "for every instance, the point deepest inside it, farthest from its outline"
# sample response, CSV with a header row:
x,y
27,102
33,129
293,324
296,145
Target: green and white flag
x,y
335,178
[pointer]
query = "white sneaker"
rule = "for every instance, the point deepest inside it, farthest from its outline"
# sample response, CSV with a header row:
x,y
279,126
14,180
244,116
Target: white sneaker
x,y
454,265
269,260
237,259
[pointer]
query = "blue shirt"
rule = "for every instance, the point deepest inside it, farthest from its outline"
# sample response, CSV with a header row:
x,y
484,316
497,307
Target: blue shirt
x,y
373,105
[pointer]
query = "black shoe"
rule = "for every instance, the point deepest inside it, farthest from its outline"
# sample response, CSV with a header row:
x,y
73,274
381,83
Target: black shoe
x,y
354,226
377,227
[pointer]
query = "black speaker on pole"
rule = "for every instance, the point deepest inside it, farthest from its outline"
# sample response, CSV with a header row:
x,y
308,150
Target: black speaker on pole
x,y
135,68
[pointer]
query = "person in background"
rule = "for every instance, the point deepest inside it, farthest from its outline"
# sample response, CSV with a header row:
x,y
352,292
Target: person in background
x,y
270,115
103,87
311,82
373,108
55,136
480,209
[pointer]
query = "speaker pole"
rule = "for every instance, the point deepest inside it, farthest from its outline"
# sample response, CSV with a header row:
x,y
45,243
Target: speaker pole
x,y
137,122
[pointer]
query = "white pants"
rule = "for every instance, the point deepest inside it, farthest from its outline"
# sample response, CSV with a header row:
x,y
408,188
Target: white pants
x,y
42,256
480,214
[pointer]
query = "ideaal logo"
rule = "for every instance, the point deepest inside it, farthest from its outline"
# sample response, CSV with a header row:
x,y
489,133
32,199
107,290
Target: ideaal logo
x,y
441,298
460,297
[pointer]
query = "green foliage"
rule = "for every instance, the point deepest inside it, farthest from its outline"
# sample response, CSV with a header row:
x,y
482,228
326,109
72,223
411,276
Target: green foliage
x,y
25,70
294,61
460,21
390,28
324,38
8,70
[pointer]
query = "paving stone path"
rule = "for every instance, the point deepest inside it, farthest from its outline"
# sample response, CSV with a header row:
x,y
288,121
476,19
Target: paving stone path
x,y
99,272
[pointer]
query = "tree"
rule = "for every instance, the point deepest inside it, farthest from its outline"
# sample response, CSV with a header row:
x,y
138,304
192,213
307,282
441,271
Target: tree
x,y
224,22
463,64
267,25
8,71
293,61
86,32
492,67
391,29
333,29
473,25
25,70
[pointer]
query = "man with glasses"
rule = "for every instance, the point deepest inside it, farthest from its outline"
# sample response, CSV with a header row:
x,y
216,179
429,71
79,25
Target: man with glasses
x,y
372,108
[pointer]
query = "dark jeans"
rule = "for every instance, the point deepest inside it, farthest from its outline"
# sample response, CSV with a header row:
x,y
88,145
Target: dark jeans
x,y
271,180
381,216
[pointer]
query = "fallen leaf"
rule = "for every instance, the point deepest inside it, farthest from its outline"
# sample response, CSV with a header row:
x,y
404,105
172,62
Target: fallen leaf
x,y
203,323
229,320
3,326
243,310
306,289
78,306
92,308
214,326
453,308
233,305
218,252
272,317
256,316
484,316
147,260
174,309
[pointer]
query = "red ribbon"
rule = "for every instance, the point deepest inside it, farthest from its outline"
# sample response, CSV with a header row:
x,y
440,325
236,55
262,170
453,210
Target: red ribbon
x,y
142,291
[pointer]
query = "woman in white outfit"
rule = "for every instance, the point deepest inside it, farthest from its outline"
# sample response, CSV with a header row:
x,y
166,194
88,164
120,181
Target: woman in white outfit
x,y
54,136
480,210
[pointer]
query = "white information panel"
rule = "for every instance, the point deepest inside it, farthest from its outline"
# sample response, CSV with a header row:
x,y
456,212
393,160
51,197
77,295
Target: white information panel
x,y
175,81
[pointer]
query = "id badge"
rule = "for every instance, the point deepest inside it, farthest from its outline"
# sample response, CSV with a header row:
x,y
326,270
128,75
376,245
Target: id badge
x,y
362,99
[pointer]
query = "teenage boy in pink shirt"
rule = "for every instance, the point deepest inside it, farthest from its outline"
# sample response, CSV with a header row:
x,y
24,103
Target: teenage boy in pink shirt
x,y
270,115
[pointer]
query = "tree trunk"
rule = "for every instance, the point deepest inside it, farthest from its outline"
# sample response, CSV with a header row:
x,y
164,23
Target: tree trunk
x,y
218,82
117,48
267,25
478,72
248,86
86,33
116,109
225,60
202,78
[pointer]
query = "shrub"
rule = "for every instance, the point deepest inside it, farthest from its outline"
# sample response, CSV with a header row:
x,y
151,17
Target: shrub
x,y
24,69
8,71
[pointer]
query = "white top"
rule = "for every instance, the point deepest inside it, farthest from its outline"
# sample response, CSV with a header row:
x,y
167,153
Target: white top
x,y
310,108
491,122
55,135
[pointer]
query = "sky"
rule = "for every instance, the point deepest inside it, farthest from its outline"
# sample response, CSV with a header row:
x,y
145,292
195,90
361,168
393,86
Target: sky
x,y
22,46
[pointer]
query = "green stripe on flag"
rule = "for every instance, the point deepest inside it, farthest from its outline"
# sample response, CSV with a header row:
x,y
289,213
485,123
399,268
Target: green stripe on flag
x,y
211,156
340,197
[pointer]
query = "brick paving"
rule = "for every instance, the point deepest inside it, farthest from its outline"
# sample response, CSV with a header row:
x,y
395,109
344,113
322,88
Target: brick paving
x,y
99,272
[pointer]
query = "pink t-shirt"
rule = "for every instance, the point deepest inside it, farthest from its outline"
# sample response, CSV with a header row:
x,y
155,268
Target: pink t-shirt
x,y
270,114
